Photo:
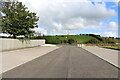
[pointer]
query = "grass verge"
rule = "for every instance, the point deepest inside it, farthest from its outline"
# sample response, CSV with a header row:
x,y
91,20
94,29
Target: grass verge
x,y
111,47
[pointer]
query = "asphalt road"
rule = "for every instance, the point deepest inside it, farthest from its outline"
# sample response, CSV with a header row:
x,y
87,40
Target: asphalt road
x,y
65,62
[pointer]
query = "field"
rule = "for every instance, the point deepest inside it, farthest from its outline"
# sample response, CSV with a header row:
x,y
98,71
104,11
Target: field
x,y
78,38
83,38
73,40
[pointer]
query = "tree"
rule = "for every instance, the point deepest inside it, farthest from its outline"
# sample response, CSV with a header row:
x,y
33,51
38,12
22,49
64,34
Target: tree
x,y
70,41
1,6
18,20
51,40
93,41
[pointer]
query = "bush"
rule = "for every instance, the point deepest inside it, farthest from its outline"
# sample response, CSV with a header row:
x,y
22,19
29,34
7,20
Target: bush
x,y
108,40
93,41
65,41
53,41
70,41
62,36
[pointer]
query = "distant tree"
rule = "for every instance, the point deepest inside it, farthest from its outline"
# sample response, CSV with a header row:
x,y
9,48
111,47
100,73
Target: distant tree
x,y
18,20
93,41
65,41
108,40
51,40
62,35
70,41
111,40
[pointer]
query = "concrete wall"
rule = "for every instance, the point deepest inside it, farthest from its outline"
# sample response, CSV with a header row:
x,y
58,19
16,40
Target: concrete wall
x,y
9,44
80,45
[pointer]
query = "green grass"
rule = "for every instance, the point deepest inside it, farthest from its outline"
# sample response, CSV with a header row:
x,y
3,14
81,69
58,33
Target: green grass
x,y
58,39
78,38
111,47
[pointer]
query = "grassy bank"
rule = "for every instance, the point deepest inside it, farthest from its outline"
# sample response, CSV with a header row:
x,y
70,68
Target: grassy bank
x,y
82,38
111,47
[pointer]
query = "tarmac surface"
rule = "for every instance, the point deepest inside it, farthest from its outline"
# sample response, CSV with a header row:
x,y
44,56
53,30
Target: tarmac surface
x,y
65,62
15,58
109,55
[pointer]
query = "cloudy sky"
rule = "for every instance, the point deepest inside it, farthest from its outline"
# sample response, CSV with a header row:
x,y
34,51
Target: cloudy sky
x,y
75,16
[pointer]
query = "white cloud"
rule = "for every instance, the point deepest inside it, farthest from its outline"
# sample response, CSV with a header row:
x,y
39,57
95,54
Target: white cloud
x,y
4,34
109,34
113,26
57,16
40,30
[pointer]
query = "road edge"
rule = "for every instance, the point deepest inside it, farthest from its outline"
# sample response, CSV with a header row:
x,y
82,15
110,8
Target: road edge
x,y
103,59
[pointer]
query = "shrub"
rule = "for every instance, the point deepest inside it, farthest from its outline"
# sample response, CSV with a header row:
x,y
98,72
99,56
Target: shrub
x,y
53,41
108,40
93,41
70,41
65,41
62,36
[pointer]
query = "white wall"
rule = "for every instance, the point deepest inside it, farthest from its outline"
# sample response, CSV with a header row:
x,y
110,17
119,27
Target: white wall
x,y
9,44
80,45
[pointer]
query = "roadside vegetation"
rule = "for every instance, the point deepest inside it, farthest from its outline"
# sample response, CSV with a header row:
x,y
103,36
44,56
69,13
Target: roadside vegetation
x,y
64,39
76,39
17,19
112,47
